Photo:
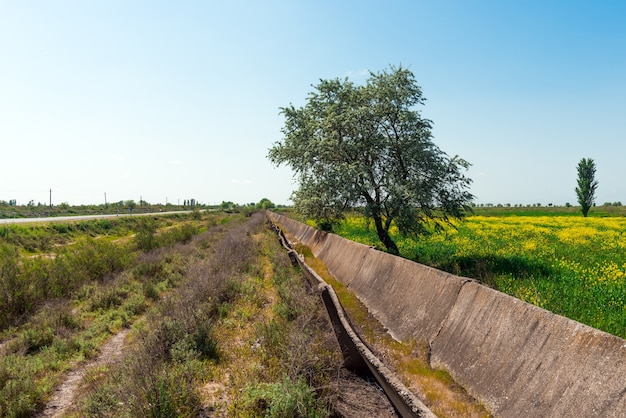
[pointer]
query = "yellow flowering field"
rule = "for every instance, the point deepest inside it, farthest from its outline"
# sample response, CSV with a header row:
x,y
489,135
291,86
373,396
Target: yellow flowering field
x,y
570,265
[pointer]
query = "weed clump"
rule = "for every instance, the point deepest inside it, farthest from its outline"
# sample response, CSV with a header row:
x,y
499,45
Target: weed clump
x,y
284,399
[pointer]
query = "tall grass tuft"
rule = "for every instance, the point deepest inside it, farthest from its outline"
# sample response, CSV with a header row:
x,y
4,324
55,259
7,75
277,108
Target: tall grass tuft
x,y
284,399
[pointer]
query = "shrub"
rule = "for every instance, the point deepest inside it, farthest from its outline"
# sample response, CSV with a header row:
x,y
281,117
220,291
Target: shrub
x,y
106,298
150,291
171,394
181,234
19,395
95,259
35,338
151,265
284,400
15,298
135,305
145,237
165,334
205,342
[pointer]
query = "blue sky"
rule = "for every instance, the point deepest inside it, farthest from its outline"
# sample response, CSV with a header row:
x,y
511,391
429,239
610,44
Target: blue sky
x,y
175,100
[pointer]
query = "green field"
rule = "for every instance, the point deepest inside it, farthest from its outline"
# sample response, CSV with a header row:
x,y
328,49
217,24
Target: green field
x,y
550,257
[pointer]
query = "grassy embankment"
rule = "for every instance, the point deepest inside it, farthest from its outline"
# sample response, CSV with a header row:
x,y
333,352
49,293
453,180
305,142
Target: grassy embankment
x,y
551,257
58,305
219,320
64,209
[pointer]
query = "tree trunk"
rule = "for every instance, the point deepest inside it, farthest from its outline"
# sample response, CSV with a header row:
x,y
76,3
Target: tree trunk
x,y
383,235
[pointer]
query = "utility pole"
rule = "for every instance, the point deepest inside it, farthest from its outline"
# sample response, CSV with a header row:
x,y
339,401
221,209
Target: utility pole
x,y
105,200
50,197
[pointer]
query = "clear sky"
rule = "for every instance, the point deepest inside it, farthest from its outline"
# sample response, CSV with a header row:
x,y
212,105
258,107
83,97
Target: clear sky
x,y
170,100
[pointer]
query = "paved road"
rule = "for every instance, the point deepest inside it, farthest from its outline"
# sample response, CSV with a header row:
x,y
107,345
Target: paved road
x,y
81,217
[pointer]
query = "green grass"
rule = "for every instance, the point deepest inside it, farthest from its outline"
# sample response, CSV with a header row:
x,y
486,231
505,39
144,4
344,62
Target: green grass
x,y
57,308
596,211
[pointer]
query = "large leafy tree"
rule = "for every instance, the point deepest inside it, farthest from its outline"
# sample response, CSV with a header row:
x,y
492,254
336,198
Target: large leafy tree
x,y
368,146
587,184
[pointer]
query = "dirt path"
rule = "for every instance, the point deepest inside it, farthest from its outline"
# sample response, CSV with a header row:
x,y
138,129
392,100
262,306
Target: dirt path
x,y
64,394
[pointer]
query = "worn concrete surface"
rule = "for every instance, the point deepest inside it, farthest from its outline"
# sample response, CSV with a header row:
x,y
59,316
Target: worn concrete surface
x,y
357,356
519,360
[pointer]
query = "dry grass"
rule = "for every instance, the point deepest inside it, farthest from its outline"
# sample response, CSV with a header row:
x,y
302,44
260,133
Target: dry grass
x,y
271,329
237,337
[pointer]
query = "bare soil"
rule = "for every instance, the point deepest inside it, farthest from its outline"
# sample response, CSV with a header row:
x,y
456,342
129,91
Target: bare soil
x,y
63,396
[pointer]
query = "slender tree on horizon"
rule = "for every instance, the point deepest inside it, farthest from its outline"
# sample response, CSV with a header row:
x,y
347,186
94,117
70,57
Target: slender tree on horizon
x,y
587,184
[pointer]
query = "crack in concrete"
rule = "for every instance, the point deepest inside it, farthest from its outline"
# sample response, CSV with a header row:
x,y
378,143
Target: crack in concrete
x,y
443,323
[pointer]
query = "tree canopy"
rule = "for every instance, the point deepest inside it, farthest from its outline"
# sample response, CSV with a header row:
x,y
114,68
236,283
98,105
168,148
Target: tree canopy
x,y
367,146
587,184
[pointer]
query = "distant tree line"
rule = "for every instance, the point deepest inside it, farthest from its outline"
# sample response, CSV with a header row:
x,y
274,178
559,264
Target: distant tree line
x,y
11,208
263,204
536,205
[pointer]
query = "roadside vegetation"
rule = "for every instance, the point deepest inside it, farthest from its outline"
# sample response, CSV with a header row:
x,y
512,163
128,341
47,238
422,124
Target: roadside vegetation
x,y
56,308
567,264
11,209
37,238
237,338
216,322
40,262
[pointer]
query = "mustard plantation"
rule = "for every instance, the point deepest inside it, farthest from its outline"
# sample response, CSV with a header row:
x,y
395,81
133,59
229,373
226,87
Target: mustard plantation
x,y
570,265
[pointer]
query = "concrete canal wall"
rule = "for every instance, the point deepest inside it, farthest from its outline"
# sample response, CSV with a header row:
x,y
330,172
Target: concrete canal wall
x,y
516,358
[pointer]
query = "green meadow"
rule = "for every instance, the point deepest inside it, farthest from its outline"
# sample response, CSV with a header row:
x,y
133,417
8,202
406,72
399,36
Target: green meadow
x,y
550,257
